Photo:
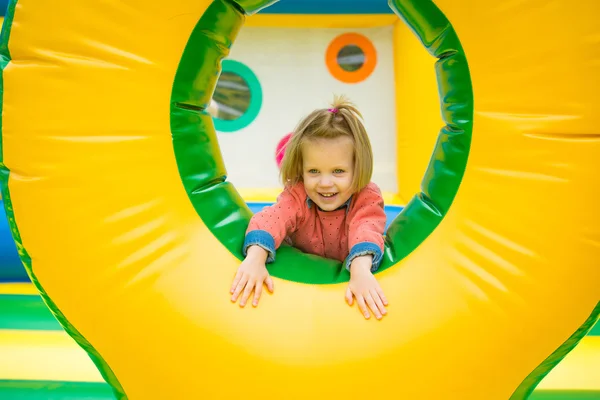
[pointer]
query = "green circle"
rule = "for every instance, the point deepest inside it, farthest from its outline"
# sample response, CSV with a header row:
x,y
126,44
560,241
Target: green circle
x,y
251,113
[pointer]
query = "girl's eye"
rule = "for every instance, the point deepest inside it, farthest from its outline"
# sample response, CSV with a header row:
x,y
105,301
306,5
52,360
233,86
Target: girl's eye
x,y
312,171
338,171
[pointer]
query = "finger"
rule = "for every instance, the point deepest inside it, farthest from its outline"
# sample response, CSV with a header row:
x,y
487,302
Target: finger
x,y
236,280
257,292
372,305
378,302
363,307
240,286
349,297
247,292
382,296
270,285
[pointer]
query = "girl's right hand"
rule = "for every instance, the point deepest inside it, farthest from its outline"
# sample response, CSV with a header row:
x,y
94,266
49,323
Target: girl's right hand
x,y
250,276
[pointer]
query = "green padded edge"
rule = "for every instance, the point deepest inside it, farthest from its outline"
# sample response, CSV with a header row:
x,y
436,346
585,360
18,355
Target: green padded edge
x,y
102,366
221,207
444,174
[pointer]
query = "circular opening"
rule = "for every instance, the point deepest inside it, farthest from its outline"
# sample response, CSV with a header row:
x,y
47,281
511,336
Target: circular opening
x,y
223,210
237,98
232,97
351,58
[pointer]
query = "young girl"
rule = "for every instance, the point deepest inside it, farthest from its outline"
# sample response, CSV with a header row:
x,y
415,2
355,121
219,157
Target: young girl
x,y
329,208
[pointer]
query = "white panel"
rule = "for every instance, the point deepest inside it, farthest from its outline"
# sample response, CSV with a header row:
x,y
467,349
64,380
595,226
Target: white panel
x,y
290,64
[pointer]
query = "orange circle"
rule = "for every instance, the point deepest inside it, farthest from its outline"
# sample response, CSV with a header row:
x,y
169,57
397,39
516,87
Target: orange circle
x,y
351,39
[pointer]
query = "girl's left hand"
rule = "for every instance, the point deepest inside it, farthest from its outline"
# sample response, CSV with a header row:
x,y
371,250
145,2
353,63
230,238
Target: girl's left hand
x,y
365,288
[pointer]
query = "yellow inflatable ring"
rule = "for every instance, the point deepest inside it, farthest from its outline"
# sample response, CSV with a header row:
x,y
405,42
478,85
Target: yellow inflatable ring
x,y
117,199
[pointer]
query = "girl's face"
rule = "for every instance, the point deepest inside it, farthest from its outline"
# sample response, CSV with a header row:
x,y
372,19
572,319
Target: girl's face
x,y
328,170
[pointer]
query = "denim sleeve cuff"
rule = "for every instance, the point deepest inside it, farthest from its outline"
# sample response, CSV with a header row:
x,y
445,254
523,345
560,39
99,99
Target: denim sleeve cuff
x,y
263,239
362,249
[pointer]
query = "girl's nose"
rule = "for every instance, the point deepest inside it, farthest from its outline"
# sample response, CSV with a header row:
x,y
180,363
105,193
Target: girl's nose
x,y
326,181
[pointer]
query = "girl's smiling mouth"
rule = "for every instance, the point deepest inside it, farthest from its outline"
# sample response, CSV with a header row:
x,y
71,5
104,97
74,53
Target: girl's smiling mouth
x,y
327,195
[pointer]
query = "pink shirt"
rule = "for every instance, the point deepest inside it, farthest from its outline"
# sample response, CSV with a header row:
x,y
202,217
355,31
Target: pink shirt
x,y
355,229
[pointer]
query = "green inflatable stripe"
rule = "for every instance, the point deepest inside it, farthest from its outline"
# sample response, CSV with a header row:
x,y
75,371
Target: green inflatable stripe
x,y
55,390
26,312
223,210
595,330
565,395
44,390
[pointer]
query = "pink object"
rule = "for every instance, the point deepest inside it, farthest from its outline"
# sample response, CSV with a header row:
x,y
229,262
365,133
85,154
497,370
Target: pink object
x,y
280,151
330,234
333,110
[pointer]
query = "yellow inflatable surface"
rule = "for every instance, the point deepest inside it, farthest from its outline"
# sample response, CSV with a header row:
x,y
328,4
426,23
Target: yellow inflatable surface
x,y
116,194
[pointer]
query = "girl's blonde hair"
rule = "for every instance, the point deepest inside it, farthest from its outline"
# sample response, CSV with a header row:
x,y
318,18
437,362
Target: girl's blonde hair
x,y
342,119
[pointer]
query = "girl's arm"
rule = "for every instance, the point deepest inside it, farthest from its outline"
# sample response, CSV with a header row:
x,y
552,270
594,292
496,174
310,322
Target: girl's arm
x,y
367,224
266,231
269,227
365,238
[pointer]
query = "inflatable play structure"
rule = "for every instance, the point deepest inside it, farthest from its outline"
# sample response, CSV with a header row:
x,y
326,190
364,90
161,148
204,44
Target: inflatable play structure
x,y
114,166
